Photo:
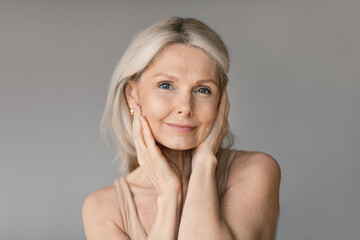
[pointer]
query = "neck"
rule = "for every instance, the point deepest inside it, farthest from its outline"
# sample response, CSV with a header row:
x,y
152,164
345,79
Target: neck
x,y
180,161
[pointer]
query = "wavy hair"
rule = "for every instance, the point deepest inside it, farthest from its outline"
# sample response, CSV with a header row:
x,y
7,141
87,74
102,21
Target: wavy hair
x,y
116,122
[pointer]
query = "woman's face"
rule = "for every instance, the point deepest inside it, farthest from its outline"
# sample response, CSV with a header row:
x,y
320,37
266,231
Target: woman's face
x,y
179,95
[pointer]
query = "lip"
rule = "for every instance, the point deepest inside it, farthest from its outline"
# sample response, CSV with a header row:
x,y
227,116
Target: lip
x,y
180,127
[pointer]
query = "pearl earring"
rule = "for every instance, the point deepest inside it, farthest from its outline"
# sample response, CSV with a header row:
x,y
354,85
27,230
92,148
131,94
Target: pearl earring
x,y
131,111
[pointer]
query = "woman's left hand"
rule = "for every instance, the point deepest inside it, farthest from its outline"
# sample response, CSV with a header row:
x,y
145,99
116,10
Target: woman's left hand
x,y
212,143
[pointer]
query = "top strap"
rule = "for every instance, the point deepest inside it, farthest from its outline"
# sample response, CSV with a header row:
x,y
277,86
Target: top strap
x,y
132,224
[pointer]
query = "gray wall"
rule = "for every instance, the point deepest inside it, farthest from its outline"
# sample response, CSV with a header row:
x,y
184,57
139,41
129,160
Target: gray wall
x,y
294,84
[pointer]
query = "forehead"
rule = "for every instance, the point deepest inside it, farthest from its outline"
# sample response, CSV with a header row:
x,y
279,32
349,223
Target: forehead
x,y
184,62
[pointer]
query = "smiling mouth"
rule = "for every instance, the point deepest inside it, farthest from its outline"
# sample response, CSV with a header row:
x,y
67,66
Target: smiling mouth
x,y
181,128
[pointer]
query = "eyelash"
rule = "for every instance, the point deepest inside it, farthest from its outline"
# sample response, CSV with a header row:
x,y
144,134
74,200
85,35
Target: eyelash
x,y
169,84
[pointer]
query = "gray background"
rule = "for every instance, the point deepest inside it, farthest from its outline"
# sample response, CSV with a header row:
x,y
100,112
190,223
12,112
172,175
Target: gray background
x,y
294,84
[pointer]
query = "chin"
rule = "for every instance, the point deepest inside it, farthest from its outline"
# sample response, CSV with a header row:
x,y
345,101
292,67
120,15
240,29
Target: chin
x,y
177,145
177,141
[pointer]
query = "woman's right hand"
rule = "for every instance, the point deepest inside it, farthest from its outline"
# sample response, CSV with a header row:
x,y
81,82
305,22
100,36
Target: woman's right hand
x,y
150,158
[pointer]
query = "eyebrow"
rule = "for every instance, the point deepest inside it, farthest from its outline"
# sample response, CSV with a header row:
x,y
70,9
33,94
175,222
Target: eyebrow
x,y
175,78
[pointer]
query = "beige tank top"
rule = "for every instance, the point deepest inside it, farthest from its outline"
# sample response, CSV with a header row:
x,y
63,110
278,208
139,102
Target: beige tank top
x,y
132,224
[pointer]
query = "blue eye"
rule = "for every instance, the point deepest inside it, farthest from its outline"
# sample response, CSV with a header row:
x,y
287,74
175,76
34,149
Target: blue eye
x,y
165,85
204,90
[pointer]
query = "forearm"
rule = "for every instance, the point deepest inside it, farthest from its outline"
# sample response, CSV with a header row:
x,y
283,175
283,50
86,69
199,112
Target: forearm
x,y
201,217
166,223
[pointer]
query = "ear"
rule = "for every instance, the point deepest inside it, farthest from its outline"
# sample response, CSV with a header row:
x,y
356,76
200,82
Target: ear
x,y
131,94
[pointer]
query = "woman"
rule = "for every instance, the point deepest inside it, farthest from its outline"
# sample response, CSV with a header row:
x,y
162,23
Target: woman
x,y
167,111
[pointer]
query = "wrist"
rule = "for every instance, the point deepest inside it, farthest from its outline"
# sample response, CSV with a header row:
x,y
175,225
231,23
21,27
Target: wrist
x,y
170,198
206,162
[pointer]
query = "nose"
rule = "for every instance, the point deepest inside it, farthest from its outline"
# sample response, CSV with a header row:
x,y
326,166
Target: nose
x,y
184,105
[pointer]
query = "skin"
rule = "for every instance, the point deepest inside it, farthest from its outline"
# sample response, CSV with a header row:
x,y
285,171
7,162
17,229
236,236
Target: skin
x,y
174,188
173,90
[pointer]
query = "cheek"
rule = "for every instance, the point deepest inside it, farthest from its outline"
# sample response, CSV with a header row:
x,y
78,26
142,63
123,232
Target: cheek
x,y
207,112
207,116
154,108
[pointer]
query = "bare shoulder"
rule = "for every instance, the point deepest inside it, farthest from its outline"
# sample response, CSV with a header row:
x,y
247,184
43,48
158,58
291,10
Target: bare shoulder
x,y
254,165
101,215
250,206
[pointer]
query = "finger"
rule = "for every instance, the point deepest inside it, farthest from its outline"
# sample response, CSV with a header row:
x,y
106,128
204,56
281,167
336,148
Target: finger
x,y
226,112
222,104
227,103
136,124
140,146
141,124
148,136
137,129
159,165
223,108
